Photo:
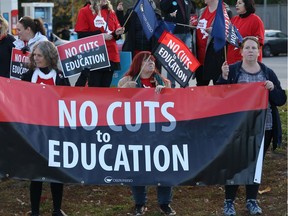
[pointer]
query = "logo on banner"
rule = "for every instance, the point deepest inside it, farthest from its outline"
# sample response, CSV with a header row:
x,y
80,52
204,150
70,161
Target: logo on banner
x,y
90,52
109,179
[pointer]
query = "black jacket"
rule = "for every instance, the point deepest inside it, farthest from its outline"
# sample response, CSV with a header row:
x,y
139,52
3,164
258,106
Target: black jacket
x,y
135,38
60,79
184,10
6,45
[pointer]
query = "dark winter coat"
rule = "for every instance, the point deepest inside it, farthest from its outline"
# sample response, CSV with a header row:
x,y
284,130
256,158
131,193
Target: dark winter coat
x,y
60,79
182,16
6,45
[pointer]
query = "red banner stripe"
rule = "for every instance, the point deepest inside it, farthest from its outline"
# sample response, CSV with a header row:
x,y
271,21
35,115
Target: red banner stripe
x,y
29,103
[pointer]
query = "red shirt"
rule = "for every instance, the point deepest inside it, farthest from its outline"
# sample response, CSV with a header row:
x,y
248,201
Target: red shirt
x,y
85,23
45,81
205,21
147,83
248,26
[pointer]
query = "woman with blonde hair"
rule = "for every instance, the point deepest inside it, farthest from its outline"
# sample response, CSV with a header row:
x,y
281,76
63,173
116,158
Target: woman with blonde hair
x,y
95,18
6,45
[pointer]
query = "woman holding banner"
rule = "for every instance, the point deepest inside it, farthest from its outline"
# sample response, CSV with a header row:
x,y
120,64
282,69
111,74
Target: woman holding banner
x,y
43,69
100,18
248,24
30,31
249,70
143,74
6,45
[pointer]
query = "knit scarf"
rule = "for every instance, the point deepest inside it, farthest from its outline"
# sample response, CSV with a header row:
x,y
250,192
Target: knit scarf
x,y
38,73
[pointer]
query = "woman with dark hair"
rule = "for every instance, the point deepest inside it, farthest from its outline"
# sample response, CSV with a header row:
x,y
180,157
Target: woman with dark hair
x,y
29,32
120,11
100,18
143,74
248,24
43,69
247,71
6,45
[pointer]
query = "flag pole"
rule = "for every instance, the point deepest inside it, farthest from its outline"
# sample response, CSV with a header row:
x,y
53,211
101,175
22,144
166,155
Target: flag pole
x,y
181,24
128,18
143,67
225,53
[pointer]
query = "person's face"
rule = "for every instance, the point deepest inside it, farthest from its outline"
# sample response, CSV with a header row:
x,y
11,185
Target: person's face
x,y
39,58
148,67
103,2
208,2
240,7
250,51
23,34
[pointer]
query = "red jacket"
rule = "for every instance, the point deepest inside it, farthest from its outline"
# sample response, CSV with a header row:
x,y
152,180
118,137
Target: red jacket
x,y
251,25
85,24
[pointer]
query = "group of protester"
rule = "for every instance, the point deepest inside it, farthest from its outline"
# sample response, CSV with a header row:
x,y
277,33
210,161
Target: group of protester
x,y
242,65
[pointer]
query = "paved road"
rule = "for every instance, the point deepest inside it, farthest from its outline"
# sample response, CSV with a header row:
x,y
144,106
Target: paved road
x,y
279,66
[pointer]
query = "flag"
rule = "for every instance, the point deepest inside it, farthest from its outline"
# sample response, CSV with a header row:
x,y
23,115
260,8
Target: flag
x,y
164,26
218,30
147,17
224,30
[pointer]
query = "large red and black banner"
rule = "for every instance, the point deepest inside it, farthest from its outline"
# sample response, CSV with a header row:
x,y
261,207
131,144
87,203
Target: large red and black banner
x,y
197,135
89,52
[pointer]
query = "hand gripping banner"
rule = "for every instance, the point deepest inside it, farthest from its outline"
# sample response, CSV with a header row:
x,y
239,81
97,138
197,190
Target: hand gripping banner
x,y
202,135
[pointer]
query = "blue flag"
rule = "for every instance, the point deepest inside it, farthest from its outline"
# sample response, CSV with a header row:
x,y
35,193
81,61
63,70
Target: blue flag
x,y
219,30
147,17
164,26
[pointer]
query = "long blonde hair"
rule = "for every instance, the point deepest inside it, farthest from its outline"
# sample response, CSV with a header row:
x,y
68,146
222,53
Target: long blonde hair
x,y
4,28
96,6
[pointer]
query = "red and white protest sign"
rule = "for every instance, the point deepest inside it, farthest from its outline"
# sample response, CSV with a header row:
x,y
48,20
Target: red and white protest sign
x,y
19,63
89,52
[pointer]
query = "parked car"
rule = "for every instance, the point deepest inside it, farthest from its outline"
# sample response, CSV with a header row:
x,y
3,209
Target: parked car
x,y
275,42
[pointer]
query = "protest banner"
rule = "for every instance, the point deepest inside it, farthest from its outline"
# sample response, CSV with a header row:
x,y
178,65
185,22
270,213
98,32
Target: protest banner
x,y
132,136
19,63
89,52
176,58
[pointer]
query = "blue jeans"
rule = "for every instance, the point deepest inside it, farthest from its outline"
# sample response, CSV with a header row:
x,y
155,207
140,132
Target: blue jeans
x,y
164,195
187,39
